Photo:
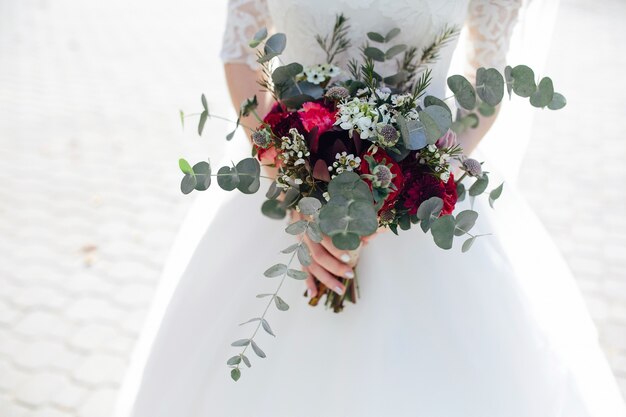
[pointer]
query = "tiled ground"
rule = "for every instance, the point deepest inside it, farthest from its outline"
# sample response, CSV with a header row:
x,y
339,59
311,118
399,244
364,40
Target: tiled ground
x,y
89,204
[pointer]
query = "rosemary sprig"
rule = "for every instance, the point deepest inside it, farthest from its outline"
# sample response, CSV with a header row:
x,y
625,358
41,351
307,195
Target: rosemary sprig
x,y
338,42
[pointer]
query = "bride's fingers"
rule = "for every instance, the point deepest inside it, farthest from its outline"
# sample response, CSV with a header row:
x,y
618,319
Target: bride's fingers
x,y
347,257
326,278
310,285
329,262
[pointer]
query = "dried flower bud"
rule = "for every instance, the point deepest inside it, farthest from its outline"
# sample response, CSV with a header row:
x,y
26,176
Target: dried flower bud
x,y
388,135
382,176
337,93
473,167
261,138
387,216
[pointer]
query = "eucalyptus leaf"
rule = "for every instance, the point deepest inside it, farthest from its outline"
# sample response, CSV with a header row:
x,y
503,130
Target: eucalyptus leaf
x,y
205,106
281,304
395,50
412,132
479,186
314,232
309,205
266,327
257,349
558,102
468,244
495,194
184,166
290,248
442,230
434,101
202,172
295,274
188,183
235,360
465,220
544,94
436,121
490,86
463,91
258,38
235,374
249,171
485,109
246,360
203,118
241,342
181,114
392,34
264,295
273,209
304,255
227,178
430,207
275,270
396,78
286,73
460,191
508,79
275,44
250,321
376,37
523,81
297,227
374,53
346,241
273,191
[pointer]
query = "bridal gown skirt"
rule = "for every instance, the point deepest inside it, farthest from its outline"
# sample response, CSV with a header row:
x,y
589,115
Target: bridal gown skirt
x,y
500,331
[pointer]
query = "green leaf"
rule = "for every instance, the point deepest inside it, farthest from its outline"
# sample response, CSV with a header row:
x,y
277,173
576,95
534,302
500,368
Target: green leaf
x,y
468,244
392,34
202,171
188,183
273,191
286,73
281,304
295,274
273,209
395,50
275,270
342,216
465,220
490,86
231,134
205,106
508,78
249,171
374,53
250,321
412,132
248,106
241,342
523,81
434,101
203,117
376,37
346,241
266,327
235,360
184,166
460,192
227,178
275,44
544,94
182,118
304,255
485,109
436,121
290,248
257,349
479,186
558,102
235,374
396,78
258,38
297,227
495,194
404,222
314,232
350,186
246,361
463,91
442,230
430,207
264,295
463,123
309,205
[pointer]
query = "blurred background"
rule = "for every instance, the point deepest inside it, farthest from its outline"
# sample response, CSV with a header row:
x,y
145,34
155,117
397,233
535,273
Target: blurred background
x,y
89,199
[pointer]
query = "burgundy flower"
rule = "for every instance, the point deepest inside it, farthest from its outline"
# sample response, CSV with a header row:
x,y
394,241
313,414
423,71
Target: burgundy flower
x,y
420,185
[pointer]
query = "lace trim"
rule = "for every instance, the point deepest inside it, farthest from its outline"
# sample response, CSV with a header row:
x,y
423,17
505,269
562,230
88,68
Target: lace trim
x,y
244,18
490,25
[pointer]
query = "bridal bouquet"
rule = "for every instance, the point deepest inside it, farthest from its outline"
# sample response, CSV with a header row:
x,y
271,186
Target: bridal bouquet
x,y
356,150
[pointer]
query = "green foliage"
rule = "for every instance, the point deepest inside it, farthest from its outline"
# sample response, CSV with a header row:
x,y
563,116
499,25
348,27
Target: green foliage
x,y
558,102
184,166
442,230
273,209
485,109
544,93
463,91
281,304
258,38
428,211
274,46
275,270
436,121
376,37
395,50
245,176
257,349
235,374
465,220
479,186
412,133
523,81
490,86
295,274
309,205
392,34
338,42
468,244
495,194
374,53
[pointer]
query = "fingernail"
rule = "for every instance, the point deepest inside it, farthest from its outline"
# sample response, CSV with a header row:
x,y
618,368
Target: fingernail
x,y
338,290
345,258
349,274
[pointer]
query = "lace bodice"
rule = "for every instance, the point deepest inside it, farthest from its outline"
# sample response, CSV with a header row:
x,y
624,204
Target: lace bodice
x,y
489,26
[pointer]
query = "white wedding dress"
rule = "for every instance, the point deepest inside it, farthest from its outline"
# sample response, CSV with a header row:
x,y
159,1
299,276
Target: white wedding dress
x,y
500,331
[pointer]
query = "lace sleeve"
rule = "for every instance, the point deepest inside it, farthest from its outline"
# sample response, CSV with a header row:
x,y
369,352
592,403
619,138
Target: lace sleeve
x,y
489,27
244,19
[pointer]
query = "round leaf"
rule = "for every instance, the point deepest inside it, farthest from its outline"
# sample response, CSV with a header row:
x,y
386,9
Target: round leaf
x,y
309,205
235,374
275,44
273,209
479,186
275,270
442,230
203,175
184,166
227,178
468,244
346,241
558,102
490,86
523,81
544,94
465,220
188,183
463,91
281,304
374,53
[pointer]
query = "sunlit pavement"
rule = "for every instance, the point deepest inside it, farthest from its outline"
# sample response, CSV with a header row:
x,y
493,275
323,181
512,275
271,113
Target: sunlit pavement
x,y
89,200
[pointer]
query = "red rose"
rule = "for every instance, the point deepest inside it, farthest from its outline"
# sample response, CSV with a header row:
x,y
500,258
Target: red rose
x,y
420,186
314,114
398,179
280,121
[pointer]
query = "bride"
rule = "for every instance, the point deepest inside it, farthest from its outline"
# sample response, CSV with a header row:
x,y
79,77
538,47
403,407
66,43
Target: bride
x,y
500,331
